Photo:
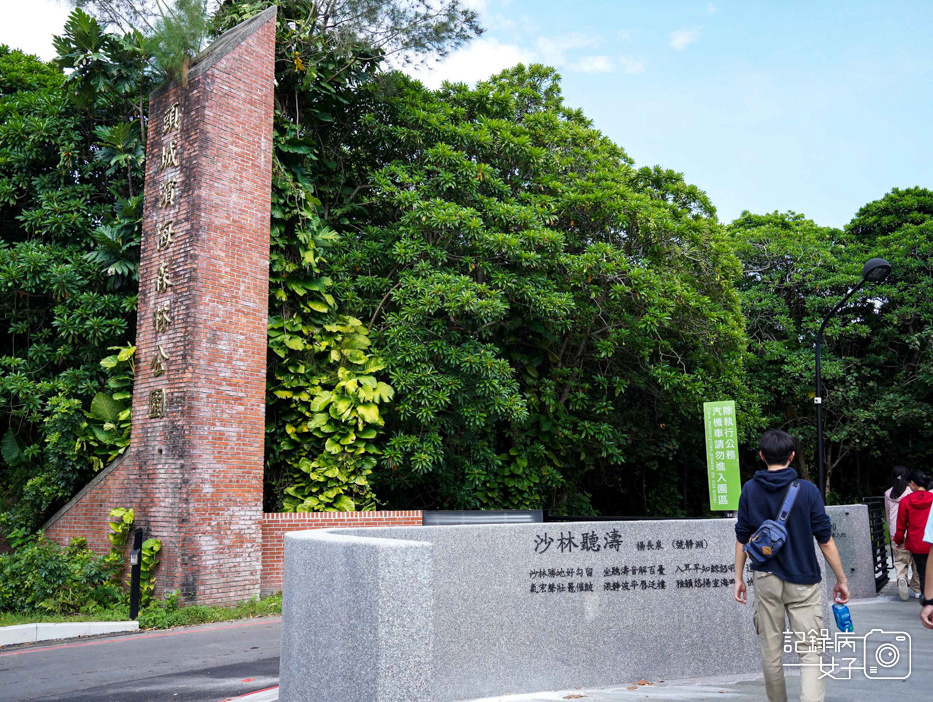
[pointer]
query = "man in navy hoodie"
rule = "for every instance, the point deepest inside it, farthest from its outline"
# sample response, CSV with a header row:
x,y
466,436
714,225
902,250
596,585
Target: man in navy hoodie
x,y
790,581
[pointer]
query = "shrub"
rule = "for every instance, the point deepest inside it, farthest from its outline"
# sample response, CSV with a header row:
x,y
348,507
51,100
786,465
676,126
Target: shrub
x,y
41,576
162,614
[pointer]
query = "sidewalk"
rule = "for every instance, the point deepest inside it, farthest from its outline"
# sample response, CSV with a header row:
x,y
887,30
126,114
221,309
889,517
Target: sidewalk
x,y
886,612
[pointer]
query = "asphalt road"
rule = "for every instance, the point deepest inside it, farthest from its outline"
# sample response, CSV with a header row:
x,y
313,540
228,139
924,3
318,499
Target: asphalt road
x,y
192,664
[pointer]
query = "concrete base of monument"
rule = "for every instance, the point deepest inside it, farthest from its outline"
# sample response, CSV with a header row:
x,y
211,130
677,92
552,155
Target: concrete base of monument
x,y
453,613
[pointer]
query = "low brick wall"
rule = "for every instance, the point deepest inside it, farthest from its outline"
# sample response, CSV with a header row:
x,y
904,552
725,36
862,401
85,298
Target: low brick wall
x,y
87,514
276,524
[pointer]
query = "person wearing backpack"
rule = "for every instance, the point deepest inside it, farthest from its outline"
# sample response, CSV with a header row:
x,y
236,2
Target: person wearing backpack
x,y
779,516
912,514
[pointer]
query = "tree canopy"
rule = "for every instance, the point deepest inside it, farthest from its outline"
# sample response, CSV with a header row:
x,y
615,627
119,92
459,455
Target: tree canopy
x,y
550,316
70,205
477,300
876,353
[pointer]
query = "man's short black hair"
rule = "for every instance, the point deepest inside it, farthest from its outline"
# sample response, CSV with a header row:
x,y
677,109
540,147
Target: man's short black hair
x,y
776,446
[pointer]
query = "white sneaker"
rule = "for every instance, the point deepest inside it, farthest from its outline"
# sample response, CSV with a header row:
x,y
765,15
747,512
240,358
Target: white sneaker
x,y
902,588
915,595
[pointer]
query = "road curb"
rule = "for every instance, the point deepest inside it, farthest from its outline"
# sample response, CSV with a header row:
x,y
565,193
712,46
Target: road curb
x,y
270,694
31,633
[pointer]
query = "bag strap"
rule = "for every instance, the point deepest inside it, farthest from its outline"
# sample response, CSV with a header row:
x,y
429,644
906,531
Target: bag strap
x,y
789,500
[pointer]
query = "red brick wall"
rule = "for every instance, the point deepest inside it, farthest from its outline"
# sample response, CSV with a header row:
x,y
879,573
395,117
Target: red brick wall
x,y
276,525
88,514
194,476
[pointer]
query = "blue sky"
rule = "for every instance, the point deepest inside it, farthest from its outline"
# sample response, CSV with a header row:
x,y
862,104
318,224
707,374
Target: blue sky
x,y
817,107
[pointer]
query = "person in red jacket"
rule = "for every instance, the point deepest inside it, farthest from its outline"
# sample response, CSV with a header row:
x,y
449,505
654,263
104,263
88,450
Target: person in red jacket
x,y
912,515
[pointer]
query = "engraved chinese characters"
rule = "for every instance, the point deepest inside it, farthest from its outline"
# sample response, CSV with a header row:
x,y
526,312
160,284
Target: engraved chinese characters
x,y
158,362
165,235
157,403
169,163
600,560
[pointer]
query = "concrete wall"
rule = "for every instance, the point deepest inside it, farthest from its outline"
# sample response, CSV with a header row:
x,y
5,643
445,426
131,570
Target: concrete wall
x,y
853,538
451,613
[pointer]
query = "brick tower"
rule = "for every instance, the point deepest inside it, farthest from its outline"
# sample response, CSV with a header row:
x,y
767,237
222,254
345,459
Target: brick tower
x,y
194,468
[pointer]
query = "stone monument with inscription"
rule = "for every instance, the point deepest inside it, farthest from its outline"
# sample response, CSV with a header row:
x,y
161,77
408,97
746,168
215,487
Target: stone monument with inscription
x,y
193,472
452,613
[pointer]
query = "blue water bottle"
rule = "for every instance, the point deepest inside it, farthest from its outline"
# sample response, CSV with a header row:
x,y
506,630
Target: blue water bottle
x,y
843,618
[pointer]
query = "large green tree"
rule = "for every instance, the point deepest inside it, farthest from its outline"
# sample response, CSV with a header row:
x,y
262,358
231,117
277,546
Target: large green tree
x,y
549,316
876,352
70,203
899,392
552,317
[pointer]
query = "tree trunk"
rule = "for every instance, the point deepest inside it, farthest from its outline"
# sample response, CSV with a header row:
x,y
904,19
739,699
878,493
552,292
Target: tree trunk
x,y
802,461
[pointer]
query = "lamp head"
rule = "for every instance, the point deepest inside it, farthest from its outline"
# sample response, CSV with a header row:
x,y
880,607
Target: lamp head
x,y
876,270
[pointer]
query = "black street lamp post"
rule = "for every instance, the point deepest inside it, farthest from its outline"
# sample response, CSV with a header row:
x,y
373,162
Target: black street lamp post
x,y
876,270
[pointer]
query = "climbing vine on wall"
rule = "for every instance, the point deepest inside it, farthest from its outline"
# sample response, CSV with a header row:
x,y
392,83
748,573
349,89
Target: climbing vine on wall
x,y
344,413
109,420
120,524
323,394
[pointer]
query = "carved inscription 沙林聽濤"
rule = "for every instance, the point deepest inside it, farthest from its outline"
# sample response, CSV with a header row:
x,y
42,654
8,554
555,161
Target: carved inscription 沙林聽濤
x,y
169,162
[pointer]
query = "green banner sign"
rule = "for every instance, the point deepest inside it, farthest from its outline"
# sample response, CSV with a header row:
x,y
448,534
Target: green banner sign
x,y
722,455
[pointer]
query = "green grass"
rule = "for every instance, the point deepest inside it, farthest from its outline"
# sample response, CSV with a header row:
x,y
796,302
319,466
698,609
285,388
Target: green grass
x,y
117,614
160,614
163,615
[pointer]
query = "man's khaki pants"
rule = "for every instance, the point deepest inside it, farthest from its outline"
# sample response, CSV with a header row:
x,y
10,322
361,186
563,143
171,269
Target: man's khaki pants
x,y
903,559
804,607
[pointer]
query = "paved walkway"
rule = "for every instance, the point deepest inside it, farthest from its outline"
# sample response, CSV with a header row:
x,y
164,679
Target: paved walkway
x,y
885,612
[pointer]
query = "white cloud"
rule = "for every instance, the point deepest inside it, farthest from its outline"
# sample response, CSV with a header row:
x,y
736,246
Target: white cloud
x,y
592,64
499,22
478,5
624,34
30,25
553,50
710,8
631,65
479,60
683,37
528,26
